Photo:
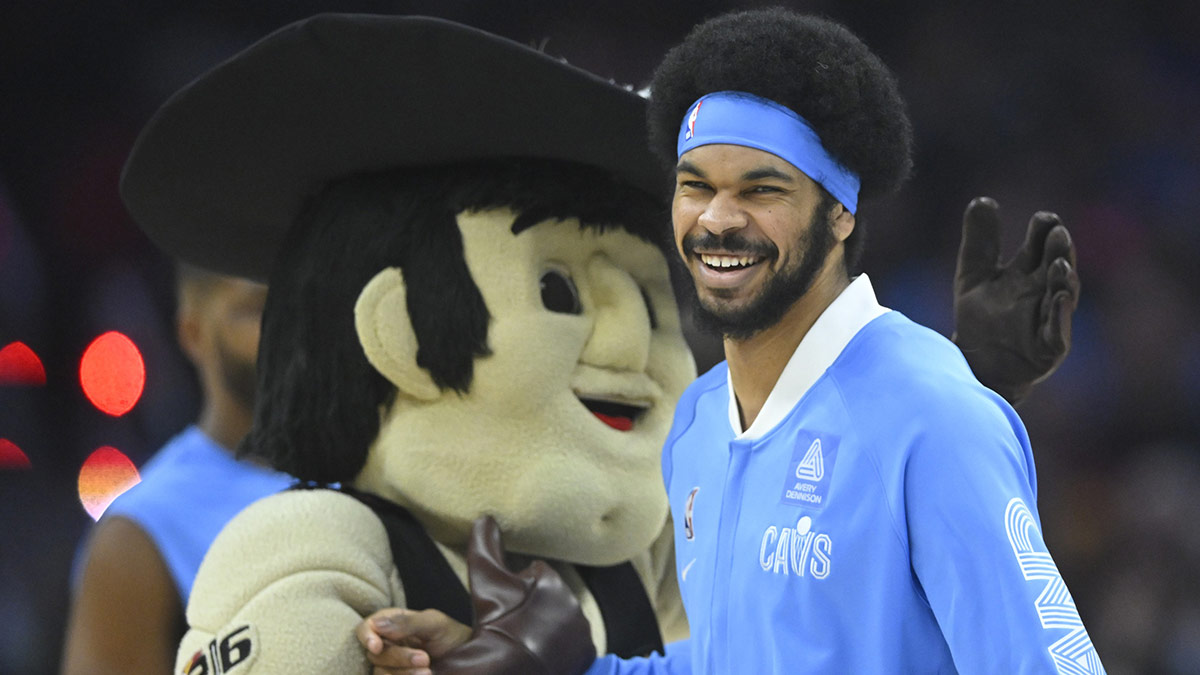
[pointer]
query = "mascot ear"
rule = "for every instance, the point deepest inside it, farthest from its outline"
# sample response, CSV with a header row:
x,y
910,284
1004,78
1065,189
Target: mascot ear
x,y
387,337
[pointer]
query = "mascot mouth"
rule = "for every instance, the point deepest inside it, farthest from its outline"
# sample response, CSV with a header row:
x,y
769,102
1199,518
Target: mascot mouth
x,y
617,415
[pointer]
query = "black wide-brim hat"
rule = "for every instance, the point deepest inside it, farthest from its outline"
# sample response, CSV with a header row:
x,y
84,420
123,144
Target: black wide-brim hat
x,y
222,169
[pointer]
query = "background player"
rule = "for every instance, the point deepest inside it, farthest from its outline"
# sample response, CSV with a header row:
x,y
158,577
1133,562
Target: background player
x,y
137,569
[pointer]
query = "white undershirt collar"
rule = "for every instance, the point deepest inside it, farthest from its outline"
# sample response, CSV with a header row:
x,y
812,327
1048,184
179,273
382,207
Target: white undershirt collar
x,y
854,308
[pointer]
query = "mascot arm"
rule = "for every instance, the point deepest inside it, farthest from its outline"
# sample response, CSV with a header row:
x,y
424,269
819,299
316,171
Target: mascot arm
x,y
285,584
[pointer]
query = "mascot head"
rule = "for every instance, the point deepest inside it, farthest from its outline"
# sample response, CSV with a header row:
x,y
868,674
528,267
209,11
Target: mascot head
x,y
470,309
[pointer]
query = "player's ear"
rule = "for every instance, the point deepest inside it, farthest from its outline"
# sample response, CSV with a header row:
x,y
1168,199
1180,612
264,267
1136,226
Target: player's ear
x,y
387,337
843,222
188,329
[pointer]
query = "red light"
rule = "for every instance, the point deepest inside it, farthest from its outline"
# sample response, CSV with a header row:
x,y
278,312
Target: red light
x,y
11,456
112,373
19,366
105,474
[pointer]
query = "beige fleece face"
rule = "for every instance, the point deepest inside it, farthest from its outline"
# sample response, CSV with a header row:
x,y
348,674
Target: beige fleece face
x,y
525,444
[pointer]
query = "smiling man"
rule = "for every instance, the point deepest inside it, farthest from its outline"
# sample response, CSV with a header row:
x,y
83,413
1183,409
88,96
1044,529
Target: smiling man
x,y
846,494
764,245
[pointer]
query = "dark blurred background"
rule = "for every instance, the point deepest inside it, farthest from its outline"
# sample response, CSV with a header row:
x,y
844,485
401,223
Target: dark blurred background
x,y
1089,109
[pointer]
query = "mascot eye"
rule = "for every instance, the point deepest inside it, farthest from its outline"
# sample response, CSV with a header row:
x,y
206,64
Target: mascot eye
x,y
559,293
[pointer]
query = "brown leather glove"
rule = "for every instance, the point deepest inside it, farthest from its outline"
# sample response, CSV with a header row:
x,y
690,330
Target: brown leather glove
x,y
1013,321
526,623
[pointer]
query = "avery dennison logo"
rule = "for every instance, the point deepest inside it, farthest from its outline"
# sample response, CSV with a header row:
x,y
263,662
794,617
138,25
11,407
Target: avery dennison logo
x,y
812,467
810,470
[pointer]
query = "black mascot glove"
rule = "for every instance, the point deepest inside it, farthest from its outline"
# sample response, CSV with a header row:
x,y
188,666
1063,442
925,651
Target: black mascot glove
x,y
526,623
1013,321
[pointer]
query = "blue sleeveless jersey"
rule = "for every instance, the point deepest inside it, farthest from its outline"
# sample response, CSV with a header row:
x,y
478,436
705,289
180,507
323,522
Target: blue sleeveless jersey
x,y
189,490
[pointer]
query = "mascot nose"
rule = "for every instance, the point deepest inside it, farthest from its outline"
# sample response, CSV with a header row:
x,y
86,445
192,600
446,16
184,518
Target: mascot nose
x,y
620,338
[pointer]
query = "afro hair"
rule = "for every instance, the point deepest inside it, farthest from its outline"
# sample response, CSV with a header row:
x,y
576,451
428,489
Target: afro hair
x,y
815,67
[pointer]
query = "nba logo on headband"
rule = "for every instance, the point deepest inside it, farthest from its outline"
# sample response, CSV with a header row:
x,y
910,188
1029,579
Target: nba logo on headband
x,y
691,123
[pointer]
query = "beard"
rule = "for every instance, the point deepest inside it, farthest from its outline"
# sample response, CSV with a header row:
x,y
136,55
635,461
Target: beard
x,y
238,375
779,292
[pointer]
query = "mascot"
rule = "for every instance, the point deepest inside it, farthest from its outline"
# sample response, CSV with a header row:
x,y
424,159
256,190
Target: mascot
x,y
470,313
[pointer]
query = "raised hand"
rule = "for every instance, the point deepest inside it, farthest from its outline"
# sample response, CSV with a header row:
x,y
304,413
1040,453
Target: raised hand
x,y
1013,321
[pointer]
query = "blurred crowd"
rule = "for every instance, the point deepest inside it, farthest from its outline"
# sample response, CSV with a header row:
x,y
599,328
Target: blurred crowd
x,y
1086,109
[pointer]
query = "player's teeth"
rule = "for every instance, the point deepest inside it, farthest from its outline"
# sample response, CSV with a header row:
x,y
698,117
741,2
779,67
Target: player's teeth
x,y
725,261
